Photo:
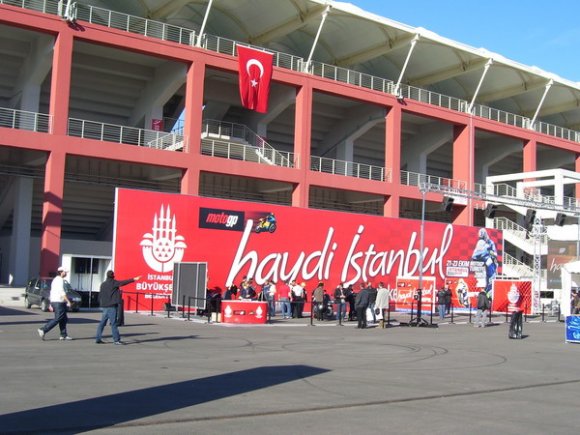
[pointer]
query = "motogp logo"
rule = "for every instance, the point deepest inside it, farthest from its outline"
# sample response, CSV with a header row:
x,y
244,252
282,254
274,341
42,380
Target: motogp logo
x,y
164,247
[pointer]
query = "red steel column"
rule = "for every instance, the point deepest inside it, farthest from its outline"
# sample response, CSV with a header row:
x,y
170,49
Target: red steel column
x,y
192,127
577,168
302,138
530,155
60,82
52,212
393,128
463,167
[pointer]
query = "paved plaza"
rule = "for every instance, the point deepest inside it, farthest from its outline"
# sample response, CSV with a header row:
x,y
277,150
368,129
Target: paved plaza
x,y
176,376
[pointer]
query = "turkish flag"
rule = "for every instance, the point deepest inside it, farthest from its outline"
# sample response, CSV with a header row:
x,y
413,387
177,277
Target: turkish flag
x,y
255,69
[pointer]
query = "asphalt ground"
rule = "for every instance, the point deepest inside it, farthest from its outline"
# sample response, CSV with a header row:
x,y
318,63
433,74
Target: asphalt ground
x,y
176,376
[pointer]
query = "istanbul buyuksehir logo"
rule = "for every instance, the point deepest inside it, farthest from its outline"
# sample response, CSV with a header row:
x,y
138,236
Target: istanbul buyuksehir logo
x,y
163,247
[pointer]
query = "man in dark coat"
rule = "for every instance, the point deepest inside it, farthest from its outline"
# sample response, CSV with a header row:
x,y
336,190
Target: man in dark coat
x,y
109,300
361,304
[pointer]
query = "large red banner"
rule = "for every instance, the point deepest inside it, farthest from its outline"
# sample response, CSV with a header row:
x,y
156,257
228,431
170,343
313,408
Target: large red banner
x,y
267,242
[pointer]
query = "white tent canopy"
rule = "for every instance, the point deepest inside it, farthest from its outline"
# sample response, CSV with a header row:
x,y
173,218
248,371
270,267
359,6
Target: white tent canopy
x,y
570,279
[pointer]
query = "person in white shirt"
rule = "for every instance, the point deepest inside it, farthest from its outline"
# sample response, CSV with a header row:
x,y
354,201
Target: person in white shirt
x,y
59,303
298,293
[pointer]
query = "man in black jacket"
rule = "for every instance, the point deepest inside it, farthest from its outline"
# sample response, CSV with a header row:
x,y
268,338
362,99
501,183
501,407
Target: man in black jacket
x,y
361,304
109,300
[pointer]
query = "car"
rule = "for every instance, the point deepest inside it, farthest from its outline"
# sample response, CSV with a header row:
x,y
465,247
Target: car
x,y
37,292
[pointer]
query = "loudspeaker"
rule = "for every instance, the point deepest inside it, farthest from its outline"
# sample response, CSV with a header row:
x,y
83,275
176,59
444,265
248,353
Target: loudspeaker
x,y
490,211
447,203
560,219
530,216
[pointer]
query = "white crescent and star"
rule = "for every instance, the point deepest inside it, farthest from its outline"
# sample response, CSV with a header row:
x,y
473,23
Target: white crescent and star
x,y
258,64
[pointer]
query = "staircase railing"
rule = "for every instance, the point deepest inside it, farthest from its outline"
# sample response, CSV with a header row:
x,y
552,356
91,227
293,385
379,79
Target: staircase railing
x,y
228,130
520,268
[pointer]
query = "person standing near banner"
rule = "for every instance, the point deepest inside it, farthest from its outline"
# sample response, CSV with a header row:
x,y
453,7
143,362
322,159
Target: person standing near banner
x,y
109,300
441,302
361,304
482,306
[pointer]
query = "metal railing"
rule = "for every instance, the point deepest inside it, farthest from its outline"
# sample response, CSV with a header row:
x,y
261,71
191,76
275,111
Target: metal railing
x,y
134,24
245,152
181,35
520,268
23,120
502,223
125,135
417,179
432,98
44,6
350,169
227,130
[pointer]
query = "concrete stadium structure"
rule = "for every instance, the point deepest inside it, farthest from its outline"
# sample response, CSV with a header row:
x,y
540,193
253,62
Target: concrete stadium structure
x,y
362,110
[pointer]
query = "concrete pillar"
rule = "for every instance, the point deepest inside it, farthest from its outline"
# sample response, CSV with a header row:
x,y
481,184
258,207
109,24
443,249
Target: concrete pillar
x,y
52,212
19,256
302,138
60,84
192,126
393,128
463,162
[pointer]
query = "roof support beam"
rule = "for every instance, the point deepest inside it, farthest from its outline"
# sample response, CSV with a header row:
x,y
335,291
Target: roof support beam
x,y
558,109
547,88
379,50
449,73
315,42
290,26
485,70
202,29
411,48
168,9
511,92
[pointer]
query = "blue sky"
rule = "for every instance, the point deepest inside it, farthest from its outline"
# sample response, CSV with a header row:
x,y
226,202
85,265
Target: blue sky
x,y
534,32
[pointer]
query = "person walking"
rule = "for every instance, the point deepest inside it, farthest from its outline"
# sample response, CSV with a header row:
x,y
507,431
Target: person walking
x,y
59,302
109,300
482,307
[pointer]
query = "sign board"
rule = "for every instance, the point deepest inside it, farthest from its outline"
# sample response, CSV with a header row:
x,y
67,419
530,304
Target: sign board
x,y
153,231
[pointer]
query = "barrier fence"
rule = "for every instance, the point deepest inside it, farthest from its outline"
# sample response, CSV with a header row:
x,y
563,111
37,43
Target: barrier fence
x,y
320,312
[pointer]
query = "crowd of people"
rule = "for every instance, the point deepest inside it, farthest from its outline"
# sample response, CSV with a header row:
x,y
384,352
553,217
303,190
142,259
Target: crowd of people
x,y
289,299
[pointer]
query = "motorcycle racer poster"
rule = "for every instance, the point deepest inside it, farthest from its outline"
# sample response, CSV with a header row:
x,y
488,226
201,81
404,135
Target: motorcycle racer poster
x,y
153,231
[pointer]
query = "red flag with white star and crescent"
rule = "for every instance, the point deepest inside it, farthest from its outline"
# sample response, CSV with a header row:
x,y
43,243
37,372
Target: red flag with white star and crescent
x,y
255,69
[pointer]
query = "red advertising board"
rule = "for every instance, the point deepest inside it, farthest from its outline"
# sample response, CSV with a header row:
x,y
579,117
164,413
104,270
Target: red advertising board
x,y
512,295
154,230
405,296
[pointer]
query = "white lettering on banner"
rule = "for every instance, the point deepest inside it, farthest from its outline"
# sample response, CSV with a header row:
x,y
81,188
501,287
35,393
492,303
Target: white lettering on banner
x,y
555,267
379,266
154,286
274,265
365,264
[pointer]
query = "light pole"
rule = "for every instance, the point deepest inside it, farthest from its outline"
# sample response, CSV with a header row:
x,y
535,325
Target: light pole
x,y
419,321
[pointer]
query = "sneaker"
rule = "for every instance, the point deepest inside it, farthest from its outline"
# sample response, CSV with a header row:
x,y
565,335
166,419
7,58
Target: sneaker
x,y
40,333
119,343
99,342
67,338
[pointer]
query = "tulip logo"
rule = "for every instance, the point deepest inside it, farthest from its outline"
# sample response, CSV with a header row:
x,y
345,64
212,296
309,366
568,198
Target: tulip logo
x,y
164,247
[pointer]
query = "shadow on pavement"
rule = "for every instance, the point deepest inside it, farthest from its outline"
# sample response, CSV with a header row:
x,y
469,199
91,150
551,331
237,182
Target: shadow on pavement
x,y
13,312
106,411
